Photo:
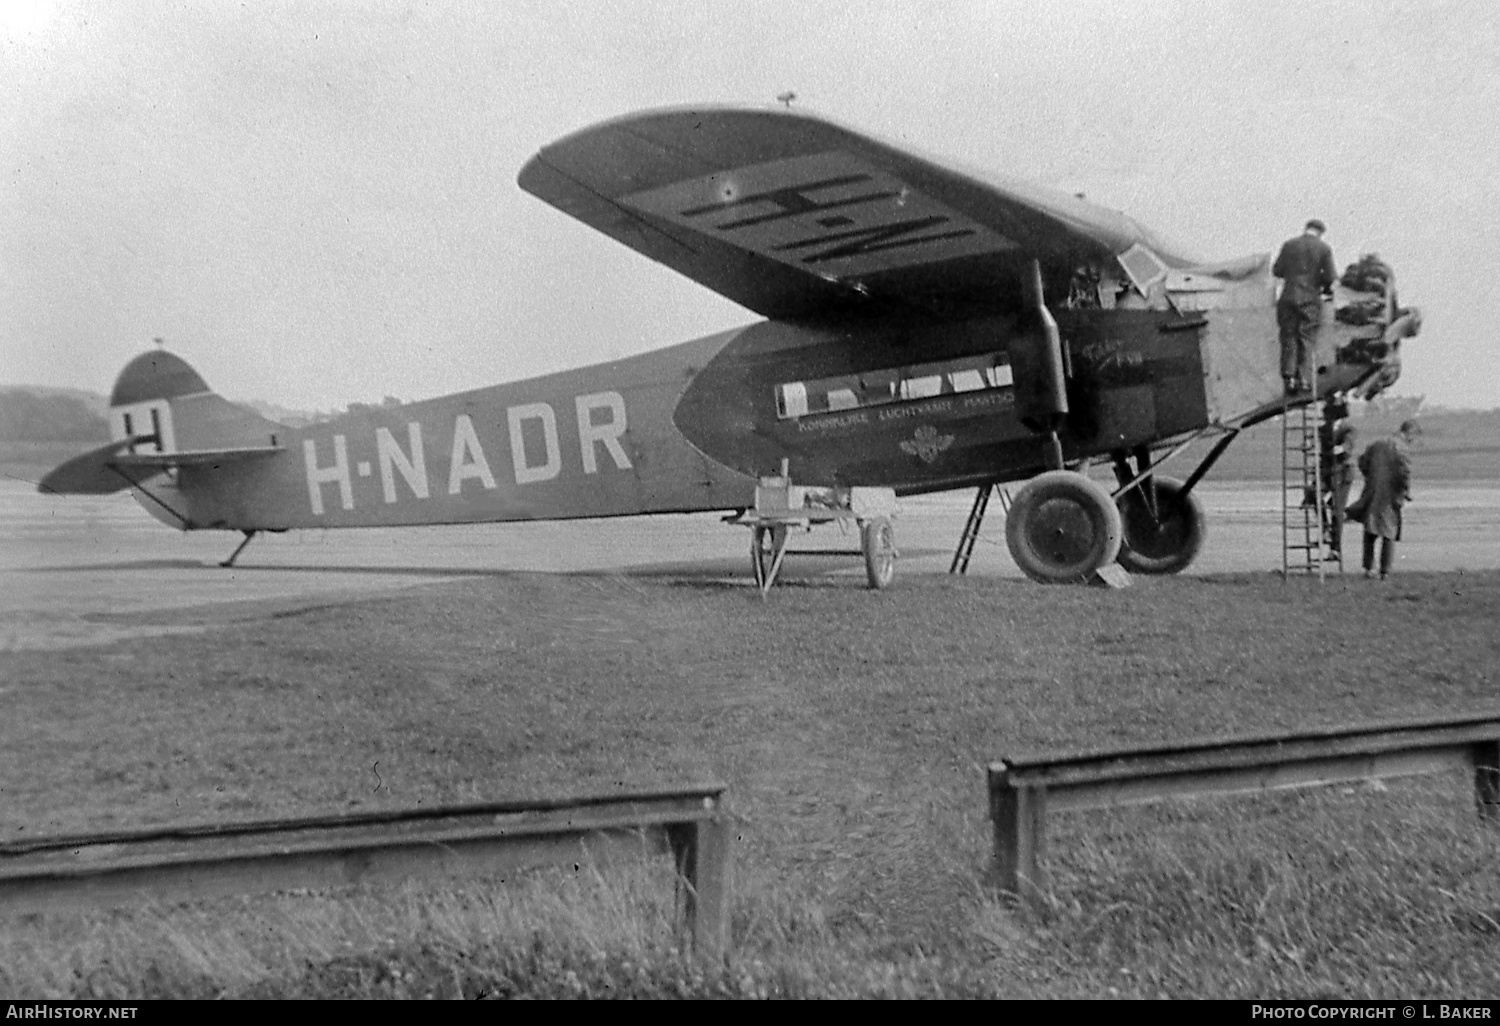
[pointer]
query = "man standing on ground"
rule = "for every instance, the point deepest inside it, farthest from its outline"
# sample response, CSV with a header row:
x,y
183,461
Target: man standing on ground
x,y
1387,488
1336,464
1305,267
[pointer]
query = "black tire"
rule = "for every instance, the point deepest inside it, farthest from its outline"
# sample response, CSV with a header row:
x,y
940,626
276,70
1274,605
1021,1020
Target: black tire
x,y
1167,543
1062,528
878,540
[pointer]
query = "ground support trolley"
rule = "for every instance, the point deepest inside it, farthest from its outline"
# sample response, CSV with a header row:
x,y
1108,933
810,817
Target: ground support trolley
x,y
781,506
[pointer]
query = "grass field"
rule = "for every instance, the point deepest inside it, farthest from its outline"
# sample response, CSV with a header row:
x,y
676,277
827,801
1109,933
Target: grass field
x,y
852,729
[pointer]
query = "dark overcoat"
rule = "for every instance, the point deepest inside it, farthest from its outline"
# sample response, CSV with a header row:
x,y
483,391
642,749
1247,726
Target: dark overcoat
x,y
1387,486
1305,264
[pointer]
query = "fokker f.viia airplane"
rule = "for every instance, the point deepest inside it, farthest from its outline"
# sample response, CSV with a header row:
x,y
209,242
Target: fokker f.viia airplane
x,y
926,328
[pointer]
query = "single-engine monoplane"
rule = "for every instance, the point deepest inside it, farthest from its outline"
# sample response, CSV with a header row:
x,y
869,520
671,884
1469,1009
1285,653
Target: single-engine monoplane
x,y
924,328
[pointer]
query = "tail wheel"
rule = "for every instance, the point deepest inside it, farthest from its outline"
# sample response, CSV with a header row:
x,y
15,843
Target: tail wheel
x,y
765,542
1168,542
878,540
1062,527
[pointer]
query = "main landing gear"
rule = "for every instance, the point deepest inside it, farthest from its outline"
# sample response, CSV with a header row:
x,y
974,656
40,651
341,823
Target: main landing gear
x,y
1164,521
1164,528
1062,528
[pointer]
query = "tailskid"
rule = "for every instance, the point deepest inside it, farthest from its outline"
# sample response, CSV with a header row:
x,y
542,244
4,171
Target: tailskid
x,y
249,535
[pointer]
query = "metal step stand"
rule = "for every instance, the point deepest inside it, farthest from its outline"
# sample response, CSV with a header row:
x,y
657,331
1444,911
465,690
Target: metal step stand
x,y
1301,478
965,550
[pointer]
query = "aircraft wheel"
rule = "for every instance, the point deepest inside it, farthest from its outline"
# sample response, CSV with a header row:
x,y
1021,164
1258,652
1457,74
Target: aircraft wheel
x,y
1168,542
765,542
1062,527
878,540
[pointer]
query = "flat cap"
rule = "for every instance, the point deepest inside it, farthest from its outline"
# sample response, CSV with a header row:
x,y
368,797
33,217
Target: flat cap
x,y
1317,225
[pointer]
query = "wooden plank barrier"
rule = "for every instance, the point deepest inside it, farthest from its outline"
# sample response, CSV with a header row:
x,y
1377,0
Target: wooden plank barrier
x,y
491,841
1023,791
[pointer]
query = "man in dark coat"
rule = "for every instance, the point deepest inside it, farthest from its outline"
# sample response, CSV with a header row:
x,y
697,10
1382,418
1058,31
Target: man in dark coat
x,y
1387,488
1305,267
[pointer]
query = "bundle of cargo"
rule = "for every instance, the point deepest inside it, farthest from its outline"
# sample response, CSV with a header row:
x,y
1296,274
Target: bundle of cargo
x,y
1367,274
1360,312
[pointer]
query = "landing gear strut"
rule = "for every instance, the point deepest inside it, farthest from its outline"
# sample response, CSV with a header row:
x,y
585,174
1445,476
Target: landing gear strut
x,y
1163,520
965,550
1163,540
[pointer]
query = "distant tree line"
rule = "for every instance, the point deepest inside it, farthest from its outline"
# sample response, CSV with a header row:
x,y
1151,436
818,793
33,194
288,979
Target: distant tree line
x,y
57,415
31,416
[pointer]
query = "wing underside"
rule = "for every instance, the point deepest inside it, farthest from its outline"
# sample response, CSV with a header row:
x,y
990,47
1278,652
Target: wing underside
x,y
796,217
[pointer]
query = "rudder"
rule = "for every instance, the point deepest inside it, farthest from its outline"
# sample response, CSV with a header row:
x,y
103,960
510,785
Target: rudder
x,y
161,401
162,416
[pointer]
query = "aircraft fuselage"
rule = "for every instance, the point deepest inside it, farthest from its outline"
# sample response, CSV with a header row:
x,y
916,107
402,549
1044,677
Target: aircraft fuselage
x,y
913,407
925,407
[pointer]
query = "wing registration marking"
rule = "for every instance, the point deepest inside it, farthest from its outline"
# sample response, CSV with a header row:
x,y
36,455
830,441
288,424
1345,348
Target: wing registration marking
x,y
828,212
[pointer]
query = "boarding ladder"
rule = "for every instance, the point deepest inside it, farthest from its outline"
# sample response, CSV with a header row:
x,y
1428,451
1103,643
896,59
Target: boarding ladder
x,y
1302,499
965,551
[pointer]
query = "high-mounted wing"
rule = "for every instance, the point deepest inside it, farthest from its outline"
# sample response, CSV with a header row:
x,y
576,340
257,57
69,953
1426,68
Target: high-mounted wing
x,y
797,217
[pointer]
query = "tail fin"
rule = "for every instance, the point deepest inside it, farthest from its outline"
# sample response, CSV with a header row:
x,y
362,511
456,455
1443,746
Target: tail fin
x,y
162,401
163,415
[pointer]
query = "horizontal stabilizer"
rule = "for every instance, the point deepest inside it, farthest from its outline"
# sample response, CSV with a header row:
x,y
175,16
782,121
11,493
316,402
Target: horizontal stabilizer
x,y
195,457
89,474
99,471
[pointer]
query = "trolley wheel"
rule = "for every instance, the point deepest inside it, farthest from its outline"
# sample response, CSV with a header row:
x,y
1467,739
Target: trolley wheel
x,y
878,540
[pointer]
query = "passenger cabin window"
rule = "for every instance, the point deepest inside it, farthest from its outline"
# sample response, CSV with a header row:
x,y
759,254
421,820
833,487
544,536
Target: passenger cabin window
x,y
791,400
892,385
922,388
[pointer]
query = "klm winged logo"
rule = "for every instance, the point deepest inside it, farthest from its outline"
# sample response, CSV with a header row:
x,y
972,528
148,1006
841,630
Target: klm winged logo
x,y
926,444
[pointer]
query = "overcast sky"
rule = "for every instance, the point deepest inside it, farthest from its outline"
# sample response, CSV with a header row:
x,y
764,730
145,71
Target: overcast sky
x,y
315,203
